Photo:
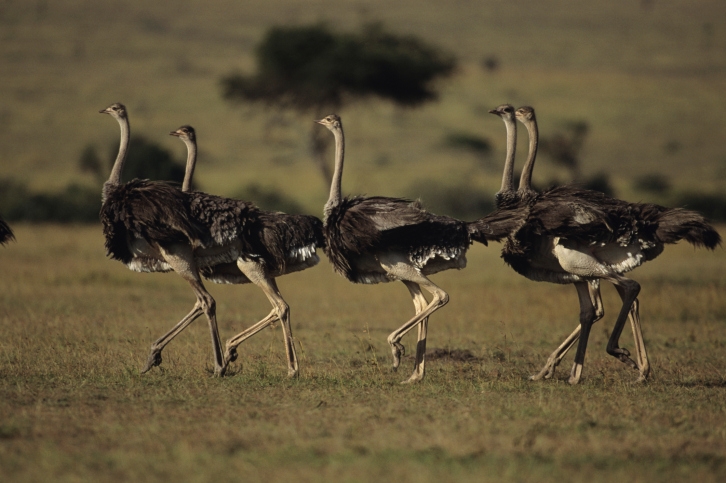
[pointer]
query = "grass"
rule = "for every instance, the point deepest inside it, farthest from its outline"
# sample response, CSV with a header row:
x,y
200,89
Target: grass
x,y
77,327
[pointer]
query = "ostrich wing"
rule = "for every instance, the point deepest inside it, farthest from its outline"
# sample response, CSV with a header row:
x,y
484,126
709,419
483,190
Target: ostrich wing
x,y
224,219
284,236
154,211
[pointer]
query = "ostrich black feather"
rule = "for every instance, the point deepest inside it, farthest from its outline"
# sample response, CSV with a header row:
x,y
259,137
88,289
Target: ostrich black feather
x,y
365,226
6,234
151,210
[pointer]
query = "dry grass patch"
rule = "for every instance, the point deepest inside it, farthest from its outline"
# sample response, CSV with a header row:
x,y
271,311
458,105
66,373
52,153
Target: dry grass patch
x,y
76,329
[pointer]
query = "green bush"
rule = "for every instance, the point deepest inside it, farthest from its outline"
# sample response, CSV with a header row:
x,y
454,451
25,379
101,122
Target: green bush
x,y
76,203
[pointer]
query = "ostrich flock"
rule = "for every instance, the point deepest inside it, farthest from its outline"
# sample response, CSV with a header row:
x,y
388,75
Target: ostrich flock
x,y
564,235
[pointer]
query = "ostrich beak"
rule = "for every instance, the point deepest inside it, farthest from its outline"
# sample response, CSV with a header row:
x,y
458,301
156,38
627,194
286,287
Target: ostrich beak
x,y
175,133
103,111
493,111
318,121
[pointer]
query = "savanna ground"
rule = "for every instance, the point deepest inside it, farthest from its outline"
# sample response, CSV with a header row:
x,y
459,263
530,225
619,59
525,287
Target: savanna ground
x,y
76,329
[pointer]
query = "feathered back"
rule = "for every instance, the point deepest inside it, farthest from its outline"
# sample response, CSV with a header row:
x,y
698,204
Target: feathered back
x,y
282,237
152,210
224,220
6,234
361,226
567,211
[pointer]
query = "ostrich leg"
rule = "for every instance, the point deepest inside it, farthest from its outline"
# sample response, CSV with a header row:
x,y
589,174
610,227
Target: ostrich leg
x,y
548,371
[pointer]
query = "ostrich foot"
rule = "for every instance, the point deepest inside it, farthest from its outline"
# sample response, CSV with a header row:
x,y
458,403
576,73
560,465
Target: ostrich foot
x,y
642,378
230,356
417,376
547,372
623,355
219,371
398,351
154,360
576,374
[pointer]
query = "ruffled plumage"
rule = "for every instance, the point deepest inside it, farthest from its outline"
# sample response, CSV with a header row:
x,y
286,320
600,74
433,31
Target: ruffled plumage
x,y
364,226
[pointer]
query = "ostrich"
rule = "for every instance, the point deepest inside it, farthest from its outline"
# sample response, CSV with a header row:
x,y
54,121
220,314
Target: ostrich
x,y
6,234
570,235
527,117
280,244
148,228
378,239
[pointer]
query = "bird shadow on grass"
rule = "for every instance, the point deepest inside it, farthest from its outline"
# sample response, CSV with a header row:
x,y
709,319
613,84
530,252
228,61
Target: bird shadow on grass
x,y
456,355
704,383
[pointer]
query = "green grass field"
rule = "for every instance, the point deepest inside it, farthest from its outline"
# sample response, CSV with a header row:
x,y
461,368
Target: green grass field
x,y
76,329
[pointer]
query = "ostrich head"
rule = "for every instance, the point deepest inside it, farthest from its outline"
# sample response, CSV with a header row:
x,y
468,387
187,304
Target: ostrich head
x,y
332,122
185,132
525,114
116,109
505,110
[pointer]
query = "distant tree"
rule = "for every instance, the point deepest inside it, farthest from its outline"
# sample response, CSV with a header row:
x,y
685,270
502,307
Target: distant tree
x,y
312,70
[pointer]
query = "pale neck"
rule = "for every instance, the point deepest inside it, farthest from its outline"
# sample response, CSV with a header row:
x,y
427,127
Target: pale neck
x,y
525,181
335,197
508,175
118,166
191,163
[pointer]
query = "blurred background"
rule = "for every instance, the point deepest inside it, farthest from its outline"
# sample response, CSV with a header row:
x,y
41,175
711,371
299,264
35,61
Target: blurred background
x,y
629,95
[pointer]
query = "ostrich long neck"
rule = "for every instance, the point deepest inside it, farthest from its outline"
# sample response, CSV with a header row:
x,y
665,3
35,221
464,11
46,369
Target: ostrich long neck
x,y
525,181
508,175
335,197
191,163
118,166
